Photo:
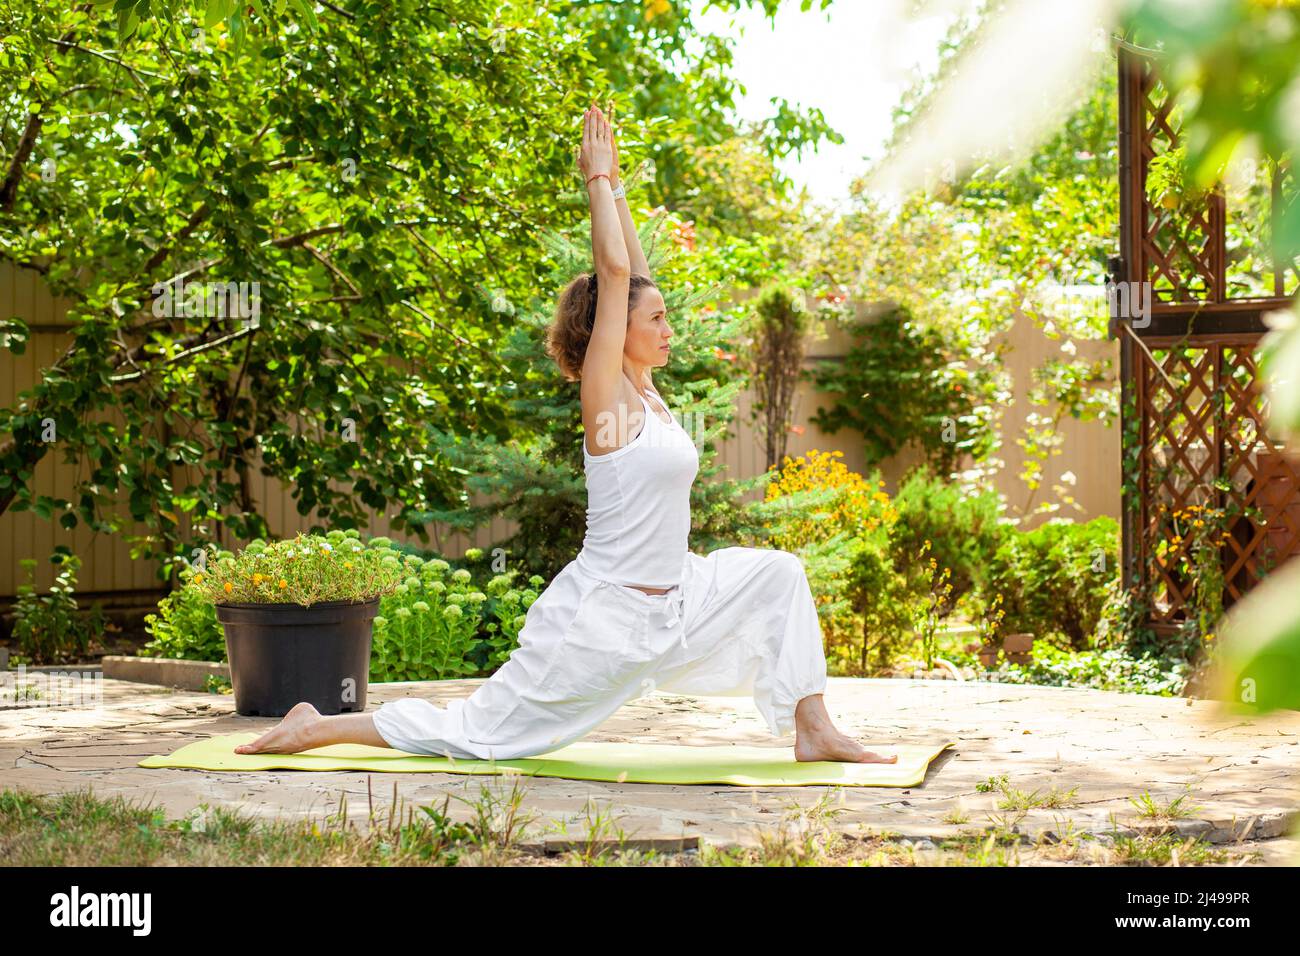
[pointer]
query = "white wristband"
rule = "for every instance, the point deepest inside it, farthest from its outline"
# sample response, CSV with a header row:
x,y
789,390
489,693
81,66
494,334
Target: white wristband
x,y
619,193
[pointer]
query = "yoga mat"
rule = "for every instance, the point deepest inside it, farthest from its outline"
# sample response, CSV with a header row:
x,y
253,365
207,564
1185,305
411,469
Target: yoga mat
x,y
584,760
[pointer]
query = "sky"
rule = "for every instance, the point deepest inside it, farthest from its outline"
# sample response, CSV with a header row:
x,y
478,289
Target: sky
x,y
852,61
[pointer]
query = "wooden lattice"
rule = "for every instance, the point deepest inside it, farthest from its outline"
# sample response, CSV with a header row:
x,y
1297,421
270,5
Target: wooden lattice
x,y
1178,250
1204,455
1194,411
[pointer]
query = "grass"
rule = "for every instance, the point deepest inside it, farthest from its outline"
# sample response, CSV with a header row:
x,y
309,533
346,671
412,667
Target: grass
x,y
80,829
1174,810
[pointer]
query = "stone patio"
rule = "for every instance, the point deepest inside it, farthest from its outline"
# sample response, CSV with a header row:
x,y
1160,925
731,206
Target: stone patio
x,y
1242,772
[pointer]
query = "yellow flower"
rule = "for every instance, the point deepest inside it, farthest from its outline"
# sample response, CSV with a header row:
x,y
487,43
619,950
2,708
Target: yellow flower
x,y
257,579
348,565
284,583
198,579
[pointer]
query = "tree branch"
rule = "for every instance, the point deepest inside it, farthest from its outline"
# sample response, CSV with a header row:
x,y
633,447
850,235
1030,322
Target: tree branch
x,y
135,74
463,341
185,232
9,189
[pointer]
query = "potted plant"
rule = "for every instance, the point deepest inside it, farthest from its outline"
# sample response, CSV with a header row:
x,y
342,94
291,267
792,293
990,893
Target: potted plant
x,y
298,617
989,624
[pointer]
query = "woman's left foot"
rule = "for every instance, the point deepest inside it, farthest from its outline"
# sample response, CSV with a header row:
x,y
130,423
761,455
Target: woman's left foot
x,y
833,745
289,736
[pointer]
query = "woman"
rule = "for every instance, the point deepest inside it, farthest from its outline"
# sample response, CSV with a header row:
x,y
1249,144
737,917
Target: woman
x,y
635,610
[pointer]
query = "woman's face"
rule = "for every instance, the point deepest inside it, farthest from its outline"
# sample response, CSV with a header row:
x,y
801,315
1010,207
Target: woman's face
x,y
648,333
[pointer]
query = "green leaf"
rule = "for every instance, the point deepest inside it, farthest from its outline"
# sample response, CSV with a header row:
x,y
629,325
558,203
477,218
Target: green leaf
x,y
1260,646
305,8
215,13
127,24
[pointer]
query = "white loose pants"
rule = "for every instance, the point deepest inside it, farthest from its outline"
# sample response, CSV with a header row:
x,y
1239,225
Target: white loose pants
x,y
741,623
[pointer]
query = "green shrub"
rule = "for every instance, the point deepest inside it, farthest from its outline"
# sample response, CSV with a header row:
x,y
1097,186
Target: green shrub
x,y
50,628
883,600
1058,578
185,628
964,530
898,388
438,624
839,524
1110,669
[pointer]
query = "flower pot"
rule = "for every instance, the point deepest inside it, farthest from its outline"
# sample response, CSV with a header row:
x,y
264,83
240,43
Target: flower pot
x,y
988,656
1018,648
281,654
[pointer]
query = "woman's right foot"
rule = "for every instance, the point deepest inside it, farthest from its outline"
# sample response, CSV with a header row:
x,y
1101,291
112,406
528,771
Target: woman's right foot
x,y
289,736
833,745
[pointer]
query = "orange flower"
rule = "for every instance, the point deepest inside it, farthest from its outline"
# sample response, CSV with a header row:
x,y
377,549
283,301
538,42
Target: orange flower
x,y
284,583
228,587
684,235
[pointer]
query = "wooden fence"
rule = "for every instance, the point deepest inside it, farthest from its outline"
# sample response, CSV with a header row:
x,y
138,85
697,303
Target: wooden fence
x,y
109,573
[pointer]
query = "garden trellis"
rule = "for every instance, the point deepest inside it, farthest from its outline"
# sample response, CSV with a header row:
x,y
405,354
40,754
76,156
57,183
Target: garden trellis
x,y
1193,410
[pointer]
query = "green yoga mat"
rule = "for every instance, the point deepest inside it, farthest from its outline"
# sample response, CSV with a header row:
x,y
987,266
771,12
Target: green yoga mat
x,y
583,760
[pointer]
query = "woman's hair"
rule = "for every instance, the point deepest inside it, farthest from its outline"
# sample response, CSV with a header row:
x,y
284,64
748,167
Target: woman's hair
x,y
575,317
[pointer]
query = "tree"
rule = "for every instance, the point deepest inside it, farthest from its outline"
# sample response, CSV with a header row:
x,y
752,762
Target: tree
x,y
371,180
898,386
777,327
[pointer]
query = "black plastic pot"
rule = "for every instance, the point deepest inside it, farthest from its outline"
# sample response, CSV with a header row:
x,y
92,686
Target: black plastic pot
x,y
281,654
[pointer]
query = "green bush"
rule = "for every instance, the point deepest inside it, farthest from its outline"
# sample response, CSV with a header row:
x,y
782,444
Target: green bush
x,y
185,628
438,624
1110,669
882,597
435,623
964,530
899,388
50,628
1057,579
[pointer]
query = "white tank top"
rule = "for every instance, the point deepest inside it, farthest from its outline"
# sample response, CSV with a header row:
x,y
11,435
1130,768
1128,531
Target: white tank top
x,y
639,505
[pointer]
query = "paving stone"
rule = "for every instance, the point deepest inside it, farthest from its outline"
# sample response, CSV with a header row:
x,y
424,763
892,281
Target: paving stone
x,y
1240,774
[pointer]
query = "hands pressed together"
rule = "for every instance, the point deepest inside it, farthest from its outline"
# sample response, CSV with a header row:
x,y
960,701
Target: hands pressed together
x,y
599,151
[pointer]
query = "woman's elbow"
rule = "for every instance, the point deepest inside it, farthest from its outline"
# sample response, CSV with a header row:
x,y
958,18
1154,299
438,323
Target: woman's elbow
x,y
617,267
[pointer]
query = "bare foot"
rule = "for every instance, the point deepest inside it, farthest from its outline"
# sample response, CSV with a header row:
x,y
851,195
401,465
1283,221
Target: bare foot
x,y
833,745
289,736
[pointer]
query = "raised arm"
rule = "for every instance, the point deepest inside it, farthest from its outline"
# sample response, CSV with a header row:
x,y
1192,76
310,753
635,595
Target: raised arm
x,y
602,366
630,237
596,159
